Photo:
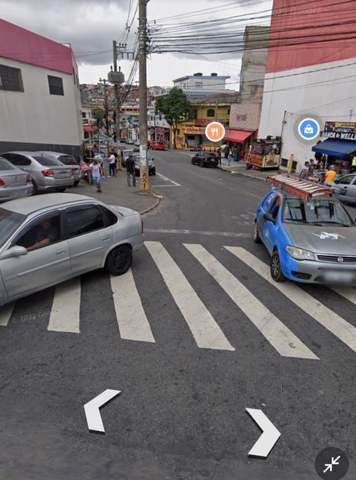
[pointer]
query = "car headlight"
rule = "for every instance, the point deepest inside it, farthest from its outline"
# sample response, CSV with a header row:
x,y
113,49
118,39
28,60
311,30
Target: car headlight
x,y
300,253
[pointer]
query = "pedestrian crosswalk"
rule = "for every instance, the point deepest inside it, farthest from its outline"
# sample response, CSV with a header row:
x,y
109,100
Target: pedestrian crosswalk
x,y
206,325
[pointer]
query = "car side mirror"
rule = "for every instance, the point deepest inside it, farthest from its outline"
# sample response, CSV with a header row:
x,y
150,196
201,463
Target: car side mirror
x,y
269,218
13,252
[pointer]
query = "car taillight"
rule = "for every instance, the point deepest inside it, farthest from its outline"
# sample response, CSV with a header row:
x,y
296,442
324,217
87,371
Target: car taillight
x,y
2,183
48,173
28,179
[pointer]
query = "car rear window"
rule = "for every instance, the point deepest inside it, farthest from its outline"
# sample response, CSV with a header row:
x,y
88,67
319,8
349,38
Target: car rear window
x,y
47,162
67,160
9,223
5,165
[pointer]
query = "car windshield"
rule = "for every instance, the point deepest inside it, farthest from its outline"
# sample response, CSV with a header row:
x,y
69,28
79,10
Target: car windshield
x,y
9,223
46,162
321,211
5,165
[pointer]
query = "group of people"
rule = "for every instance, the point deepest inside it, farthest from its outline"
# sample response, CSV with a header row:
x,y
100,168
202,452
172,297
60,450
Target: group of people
x,y
316,169
97,170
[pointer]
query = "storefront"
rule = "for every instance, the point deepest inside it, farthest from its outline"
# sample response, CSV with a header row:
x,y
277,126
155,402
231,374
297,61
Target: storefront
x,y
239,142
338,145
194,137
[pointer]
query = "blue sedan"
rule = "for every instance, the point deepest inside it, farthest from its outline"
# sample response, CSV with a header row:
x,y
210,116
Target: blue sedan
x,y
309,241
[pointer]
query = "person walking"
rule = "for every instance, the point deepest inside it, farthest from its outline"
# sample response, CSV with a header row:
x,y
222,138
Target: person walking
x,y
131,174
112,165
96,171
230,158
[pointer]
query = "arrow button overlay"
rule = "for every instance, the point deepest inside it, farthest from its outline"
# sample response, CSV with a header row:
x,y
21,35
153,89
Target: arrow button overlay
x,y
92,410
331,463
269,437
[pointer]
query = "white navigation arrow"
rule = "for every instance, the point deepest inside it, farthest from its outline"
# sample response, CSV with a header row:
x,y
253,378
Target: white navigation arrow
x,y
269,436
92,412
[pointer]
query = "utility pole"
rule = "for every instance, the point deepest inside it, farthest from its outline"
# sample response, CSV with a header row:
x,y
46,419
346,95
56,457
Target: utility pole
x,y
144,174
103,81
116,93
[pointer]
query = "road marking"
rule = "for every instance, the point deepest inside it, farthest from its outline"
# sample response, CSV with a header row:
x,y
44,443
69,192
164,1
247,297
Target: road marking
x,y
205,330
168,179
323,315
198,232
6,313
278,335
131,317
65,311
348,293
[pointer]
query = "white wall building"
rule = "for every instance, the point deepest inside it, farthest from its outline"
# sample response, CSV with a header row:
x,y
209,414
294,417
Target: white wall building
x,y
312,78
200,85
39,93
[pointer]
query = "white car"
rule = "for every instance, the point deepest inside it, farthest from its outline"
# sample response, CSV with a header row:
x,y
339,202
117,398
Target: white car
x,y
48,239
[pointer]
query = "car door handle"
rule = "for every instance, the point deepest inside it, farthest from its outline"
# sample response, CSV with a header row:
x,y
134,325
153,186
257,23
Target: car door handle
x,y
105,238
60,252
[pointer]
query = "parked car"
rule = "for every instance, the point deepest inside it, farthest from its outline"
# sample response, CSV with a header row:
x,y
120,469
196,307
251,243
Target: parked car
x,y
157,146
50,239
345,188
14,183
66,160
47,174
309,240
205,159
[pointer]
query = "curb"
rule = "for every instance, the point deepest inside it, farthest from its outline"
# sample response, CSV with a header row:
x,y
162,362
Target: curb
x,y
154,206
248,176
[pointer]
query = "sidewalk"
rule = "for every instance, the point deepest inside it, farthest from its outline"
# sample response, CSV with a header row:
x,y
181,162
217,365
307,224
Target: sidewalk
x,y
115,191
239,168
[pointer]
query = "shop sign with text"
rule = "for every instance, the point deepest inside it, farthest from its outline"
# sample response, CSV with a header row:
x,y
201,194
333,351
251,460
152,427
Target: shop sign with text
x,y
341,130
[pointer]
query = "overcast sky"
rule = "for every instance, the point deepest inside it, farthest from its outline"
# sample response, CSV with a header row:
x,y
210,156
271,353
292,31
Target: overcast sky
x,y
90,26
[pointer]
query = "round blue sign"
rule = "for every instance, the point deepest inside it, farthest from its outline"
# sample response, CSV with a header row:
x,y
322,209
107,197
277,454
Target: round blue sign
x,y
309,129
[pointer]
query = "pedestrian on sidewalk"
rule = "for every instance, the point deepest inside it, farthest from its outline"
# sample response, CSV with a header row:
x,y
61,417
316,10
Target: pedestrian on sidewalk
x,y
131,173
112,165
218,154
96,170
230,157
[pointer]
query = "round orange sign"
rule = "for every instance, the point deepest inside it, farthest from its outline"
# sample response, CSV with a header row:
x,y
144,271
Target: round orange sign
x,y
215,131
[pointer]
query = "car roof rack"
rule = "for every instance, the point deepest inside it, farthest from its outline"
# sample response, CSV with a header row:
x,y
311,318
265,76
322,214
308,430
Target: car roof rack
x,y
304,189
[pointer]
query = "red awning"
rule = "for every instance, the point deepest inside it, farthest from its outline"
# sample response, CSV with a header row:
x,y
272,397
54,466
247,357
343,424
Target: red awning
x,y
237,136
89,129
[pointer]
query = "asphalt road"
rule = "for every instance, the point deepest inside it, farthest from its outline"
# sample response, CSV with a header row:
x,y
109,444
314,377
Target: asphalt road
x,y
212,337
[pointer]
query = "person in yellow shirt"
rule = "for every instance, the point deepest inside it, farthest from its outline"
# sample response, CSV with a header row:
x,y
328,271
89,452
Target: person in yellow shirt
x,y
353,164
330,175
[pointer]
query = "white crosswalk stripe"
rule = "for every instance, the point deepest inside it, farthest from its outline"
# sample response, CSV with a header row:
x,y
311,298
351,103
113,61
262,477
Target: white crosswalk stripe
x,y
203,327
278,335
65,311
5,314
131,317
348,293
323,315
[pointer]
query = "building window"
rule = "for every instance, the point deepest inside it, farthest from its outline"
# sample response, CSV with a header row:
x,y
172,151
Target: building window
x,y
55,85
10,79
84,115
211,112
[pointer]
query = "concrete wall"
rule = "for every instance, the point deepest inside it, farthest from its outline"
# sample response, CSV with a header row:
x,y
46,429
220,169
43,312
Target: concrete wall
x,y
328,93
245,116
253,67
36,117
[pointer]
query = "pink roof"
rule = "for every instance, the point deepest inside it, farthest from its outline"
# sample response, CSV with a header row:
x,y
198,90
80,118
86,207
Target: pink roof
x,y
24,46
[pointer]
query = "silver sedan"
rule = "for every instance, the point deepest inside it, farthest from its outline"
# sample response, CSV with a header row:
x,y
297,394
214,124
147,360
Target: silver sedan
x,y
49,239
14,183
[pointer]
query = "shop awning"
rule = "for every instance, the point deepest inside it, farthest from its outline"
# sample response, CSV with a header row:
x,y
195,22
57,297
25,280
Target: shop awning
x,y
89,129
237,136
335,148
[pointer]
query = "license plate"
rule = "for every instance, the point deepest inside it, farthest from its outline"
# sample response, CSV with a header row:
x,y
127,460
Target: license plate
x,y
339,277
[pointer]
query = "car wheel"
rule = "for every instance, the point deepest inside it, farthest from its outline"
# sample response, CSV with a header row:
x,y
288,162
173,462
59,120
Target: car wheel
x,y
276,270
201,163
119,260
61,190
35,188
256,236
76,183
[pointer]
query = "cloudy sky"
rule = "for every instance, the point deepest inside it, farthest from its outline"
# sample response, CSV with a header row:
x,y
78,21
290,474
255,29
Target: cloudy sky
x,y
90,26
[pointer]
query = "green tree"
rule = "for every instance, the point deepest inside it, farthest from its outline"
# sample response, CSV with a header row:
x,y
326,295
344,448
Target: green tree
x,y
175,107
99,115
